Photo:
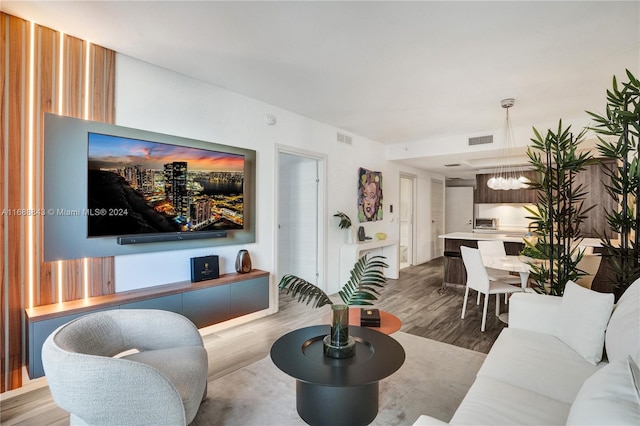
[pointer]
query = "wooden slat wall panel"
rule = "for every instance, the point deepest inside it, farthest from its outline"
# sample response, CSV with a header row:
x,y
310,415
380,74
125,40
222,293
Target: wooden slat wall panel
x,y
75,76
20,236
109,94
73,280
47,55
3,144
16,50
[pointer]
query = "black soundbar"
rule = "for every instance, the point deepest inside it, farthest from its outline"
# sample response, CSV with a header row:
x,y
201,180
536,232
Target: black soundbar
x,y
179,236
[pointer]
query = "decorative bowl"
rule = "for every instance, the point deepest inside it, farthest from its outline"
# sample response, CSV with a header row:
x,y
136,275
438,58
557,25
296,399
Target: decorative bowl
x,y
381,235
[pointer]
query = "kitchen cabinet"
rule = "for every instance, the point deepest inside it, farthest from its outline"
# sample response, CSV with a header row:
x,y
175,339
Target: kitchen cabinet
x,y
593,179
485,195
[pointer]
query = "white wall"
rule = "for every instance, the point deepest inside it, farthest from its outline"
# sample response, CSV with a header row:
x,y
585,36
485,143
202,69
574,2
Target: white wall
x,y
151,98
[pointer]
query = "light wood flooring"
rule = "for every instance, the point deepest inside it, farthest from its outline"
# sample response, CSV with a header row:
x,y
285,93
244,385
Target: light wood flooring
x,y
416,298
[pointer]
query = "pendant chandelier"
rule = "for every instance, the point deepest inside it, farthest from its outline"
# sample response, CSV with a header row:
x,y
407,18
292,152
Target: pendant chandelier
x,y
506,177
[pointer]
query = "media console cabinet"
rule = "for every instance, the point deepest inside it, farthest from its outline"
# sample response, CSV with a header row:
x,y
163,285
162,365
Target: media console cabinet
x,y
204,303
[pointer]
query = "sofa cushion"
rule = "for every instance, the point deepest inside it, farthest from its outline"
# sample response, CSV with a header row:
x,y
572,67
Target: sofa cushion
x,y
608,397
494,402
583,319
623,333
183,367
538,362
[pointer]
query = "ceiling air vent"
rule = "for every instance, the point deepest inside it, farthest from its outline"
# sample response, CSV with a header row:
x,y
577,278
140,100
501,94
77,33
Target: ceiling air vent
x,y
452,165
344,138
481,140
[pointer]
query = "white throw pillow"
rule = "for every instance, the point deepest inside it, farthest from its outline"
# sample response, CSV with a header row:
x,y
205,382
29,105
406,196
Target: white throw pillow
x,y
623,332
583,319
609,397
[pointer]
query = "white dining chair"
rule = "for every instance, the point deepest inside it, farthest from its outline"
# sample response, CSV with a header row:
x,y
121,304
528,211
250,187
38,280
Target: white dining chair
x,y
478,279
590,263
496,249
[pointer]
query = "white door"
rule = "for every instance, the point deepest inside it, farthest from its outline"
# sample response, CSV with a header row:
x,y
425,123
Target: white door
x,y
407,194
458,209
437,217
298,241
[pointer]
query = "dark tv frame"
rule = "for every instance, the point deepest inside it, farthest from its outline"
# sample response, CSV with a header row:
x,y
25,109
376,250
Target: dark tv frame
x,y
65,195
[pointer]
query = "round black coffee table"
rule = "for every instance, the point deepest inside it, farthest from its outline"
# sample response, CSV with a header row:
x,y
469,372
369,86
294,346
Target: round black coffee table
x,y
333,391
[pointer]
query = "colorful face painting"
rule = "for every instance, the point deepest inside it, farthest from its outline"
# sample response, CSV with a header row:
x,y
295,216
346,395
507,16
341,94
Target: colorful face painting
x,y
369,195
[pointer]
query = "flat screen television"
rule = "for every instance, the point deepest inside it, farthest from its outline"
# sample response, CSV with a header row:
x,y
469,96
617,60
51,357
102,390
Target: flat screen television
x,y
146,191
88,218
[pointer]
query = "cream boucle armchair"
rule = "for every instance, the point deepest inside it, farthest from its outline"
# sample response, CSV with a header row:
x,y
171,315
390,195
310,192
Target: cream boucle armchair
x,y
160,380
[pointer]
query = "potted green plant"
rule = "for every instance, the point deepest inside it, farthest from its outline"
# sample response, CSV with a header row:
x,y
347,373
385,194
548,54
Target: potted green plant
x,y
622,122
559,208
366,277
345,223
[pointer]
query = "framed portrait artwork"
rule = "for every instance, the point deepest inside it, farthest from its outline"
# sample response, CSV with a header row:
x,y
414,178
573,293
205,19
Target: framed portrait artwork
x,y
369,195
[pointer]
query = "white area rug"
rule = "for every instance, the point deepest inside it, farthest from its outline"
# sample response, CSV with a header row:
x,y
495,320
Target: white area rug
x,y
433,380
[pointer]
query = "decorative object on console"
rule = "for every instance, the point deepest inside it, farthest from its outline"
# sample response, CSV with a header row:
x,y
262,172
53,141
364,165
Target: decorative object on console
x,y
381,235
243,262
361,235
204,268
621,120
369,195
369,317
506,176
559,210
361,289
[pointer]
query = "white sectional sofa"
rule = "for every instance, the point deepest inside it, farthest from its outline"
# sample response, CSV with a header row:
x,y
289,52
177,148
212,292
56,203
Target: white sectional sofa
x,y
546,367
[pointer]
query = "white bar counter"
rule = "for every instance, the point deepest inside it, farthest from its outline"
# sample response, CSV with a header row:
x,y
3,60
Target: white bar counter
x,y
506,237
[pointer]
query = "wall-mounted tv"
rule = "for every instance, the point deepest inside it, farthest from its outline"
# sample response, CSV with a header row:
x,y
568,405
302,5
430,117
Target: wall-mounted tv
x,y
140,187
108,188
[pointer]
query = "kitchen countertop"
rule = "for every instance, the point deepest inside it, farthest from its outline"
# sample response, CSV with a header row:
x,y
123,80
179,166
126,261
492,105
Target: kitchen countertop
x,y
506,237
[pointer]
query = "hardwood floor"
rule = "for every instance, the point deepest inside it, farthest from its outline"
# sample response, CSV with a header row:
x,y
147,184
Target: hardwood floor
x,y
428,312
416,298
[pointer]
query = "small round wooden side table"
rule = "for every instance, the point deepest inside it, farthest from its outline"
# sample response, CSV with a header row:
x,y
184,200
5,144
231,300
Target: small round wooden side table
x,y
389,323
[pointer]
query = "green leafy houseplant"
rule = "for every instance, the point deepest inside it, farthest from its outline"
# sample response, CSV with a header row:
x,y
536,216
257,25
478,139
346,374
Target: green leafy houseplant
x,y
345,221
559,208
622,121
361,289
533,251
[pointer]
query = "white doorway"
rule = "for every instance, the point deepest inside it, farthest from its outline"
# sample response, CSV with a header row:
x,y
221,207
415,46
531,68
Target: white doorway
x,y
458,209
407,214
300,216
437,217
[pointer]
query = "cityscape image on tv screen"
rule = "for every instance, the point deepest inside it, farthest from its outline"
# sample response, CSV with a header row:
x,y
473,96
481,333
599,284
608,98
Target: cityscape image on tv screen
x,y
144,187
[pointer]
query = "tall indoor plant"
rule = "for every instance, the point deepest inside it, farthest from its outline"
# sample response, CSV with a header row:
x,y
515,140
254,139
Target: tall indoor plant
x,y
622,123
559,208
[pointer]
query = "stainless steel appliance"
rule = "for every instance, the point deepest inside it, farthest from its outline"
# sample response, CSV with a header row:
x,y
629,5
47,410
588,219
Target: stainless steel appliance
x,y
486,223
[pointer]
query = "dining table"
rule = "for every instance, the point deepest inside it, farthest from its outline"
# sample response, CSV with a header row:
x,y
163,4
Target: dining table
x,y
511,264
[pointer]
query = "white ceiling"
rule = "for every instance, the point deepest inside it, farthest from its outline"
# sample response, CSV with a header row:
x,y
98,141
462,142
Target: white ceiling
x,y
395,72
